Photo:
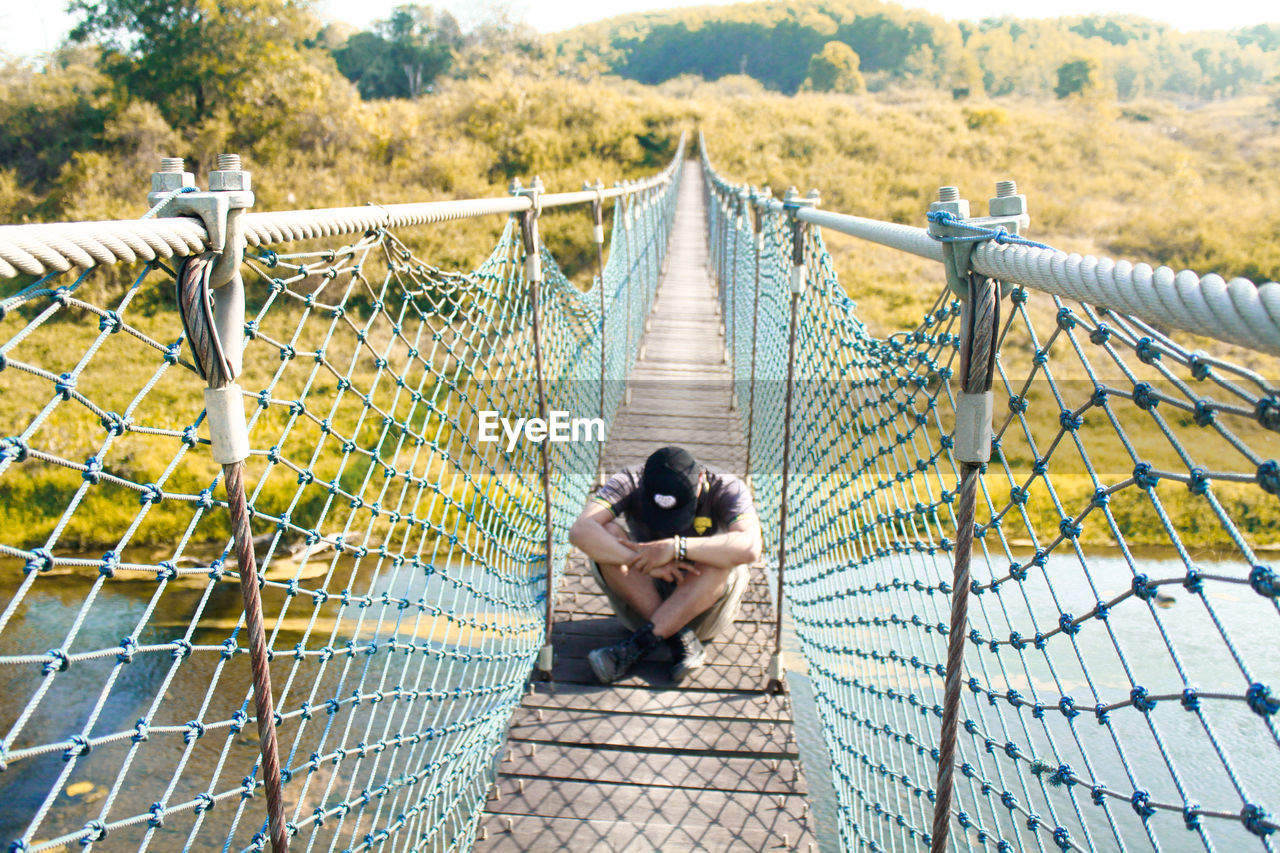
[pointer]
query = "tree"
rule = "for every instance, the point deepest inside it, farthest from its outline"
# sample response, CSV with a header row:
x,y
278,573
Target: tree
x,y
1077,76
191,57
835,69
402,55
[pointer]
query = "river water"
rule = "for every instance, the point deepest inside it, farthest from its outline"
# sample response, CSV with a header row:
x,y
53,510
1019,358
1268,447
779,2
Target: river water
x,y
167,768
1223,642
206,687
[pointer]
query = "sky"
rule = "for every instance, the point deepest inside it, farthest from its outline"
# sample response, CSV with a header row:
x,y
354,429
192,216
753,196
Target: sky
x,y
35,27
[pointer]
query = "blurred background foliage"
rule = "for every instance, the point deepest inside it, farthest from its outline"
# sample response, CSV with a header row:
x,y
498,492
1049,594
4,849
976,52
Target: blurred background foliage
x,y
1130,139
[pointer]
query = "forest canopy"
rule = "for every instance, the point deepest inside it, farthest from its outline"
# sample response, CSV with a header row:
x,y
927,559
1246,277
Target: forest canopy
x,y
774,42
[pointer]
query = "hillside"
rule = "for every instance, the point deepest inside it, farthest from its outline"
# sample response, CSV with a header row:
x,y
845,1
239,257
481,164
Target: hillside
x,y
774,42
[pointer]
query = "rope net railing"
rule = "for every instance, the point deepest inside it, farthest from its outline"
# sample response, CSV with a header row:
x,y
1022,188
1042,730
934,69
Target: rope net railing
x,y
1117,683
402,561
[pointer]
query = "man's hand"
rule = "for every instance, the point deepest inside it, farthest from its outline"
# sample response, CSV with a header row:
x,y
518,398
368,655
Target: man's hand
x,y
651,555
675,572
657,559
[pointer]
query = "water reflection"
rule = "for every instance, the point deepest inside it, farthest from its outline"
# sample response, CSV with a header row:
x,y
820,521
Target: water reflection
x,y
379,689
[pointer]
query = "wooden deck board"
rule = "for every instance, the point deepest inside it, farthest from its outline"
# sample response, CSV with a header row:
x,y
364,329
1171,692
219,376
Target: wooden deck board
x,y
641,765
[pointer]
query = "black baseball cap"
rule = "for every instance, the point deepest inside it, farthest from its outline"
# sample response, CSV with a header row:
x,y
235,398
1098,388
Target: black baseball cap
x,y
669,491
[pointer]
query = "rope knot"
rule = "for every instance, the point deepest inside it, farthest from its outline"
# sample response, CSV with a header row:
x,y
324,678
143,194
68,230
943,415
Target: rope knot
x,y
1256,820
1263,581
1269,477
79,746
1260,700
95,830
1141,700
1141,802
57,662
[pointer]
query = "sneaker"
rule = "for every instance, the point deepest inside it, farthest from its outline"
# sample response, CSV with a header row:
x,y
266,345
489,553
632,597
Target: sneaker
x,y
613,662
687,654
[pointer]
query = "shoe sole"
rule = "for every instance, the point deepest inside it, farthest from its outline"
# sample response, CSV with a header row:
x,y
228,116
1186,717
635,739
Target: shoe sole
x,y
681,673
592,659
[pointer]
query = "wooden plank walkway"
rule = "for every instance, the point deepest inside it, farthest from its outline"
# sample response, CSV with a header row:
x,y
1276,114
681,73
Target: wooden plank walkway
x,y
641,765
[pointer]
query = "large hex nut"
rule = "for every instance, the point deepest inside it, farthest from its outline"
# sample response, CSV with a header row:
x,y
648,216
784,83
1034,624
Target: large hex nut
x,y
958,209
164,182
1012,205
229,179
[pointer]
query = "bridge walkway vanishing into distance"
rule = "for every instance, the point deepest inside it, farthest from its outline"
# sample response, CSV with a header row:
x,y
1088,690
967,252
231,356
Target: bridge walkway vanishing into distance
x,y
1024,544
640,764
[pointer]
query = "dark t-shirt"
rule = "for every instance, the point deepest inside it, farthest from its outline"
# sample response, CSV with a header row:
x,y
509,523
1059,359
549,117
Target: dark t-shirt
x,y
723,499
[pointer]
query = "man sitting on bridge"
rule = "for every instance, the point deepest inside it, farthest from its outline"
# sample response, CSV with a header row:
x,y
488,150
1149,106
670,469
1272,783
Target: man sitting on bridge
x,y
678,570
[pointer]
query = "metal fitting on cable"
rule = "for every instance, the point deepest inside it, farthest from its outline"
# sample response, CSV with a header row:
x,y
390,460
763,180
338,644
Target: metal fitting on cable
x,y
760,199
220,297
597,209
959,233
1007,209
792,203
529,227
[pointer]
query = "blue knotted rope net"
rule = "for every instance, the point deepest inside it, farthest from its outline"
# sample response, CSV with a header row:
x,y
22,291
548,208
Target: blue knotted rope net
x,y
402,561
1121,673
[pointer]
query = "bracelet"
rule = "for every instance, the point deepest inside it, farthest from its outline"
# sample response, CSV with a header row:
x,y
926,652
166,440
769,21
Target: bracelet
x,y
682,546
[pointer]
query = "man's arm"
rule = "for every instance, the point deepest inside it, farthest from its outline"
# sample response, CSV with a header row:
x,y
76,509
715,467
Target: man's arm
x,y
588,533
741,543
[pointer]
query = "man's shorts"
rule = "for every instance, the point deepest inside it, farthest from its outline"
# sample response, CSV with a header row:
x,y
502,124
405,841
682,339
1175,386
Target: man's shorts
x,y
707,625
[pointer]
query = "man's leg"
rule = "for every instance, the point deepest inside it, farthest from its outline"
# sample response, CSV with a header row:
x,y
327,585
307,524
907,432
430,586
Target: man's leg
x,y
694,595
635,588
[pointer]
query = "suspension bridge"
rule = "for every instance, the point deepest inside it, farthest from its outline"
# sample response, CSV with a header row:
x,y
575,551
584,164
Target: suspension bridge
x,y
974,629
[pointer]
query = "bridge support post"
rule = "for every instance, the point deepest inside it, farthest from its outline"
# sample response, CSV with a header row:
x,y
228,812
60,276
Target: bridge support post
x,y
597,233
979,331
216,337
758,200
628,223
799,279
533,281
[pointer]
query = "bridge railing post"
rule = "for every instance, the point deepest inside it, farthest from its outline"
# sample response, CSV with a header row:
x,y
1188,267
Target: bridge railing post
x,y
799,279
758,201
597,234
216,338
533,281
628,220
979,331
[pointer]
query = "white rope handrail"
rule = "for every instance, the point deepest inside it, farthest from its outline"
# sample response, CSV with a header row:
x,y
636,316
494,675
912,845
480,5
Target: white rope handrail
x,y
39,249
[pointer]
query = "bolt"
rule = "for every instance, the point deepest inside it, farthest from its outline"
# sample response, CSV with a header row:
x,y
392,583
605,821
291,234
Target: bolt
x,y
520,787
172,176
791,194
510,824
230,176
1008,202
537,183
815,195
516,185
484,835
948,193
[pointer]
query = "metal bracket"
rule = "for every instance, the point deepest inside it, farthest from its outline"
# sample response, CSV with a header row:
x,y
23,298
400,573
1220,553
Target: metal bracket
x,y
529,227
597,210
776,675
1008,210
759,198
230,194
792,203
